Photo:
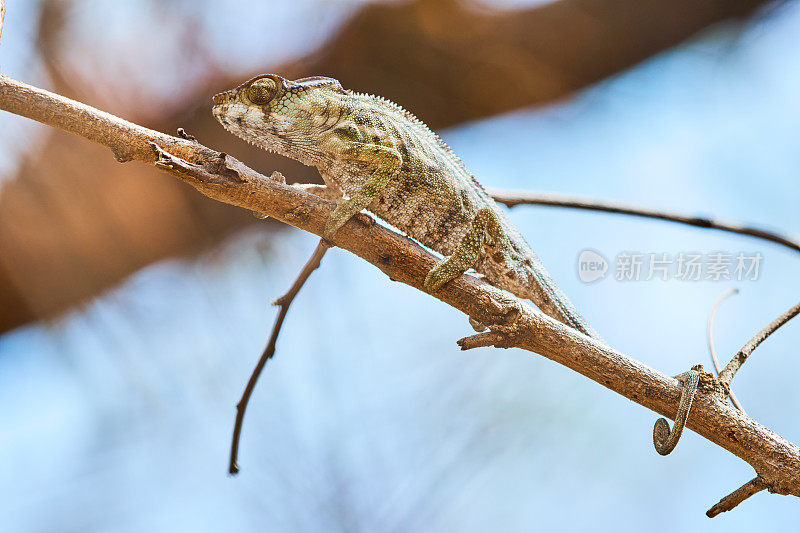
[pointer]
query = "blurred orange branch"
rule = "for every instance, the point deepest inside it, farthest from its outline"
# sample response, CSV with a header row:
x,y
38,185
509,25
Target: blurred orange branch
x,y
450,61
513,323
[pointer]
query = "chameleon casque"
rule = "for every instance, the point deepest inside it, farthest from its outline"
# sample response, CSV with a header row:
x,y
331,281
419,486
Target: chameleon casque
x,y
375,155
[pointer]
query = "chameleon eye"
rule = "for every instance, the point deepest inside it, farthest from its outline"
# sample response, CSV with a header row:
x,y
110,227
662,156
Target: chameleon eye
x,y
262,91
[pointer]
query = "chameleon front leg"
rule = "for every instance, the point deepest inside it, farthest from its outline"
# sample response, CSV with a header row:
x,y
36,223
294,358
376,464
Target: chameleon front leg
x,y
486,227
388,162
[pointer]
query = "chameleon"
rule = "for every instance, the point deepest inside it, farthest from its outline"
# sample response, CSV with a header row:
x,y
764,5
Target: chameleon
x,y
373,154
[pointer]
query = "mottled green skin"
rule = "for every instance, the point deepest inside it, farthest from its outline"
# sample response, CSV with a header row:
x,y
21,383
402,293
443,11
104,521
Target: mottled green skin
x,y
373,154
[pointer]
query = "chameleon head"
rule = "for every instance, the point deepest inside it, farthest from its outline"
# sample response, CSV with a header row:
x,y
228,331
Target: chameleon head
x,y
278,114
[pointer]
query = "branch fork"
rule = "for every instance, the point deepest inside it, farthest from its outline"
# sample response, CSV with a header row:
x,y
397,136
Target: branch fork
x,y
502,332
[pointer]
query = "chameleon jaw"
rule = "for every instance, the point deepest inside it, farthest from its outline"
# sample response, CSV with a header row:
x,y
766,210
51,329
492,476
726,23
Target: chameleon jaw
x,y
235,118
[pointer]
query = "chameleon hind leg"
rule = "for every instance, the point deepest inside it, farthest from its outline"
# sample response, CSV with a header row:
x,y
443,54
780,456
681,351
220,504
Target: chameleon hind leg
x,y
485,228
388,162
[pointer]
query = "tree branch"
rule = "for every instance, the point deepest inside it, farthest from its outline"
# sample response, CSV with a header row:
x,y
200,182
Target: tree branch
x,y
513,198
284,302
754,486
727,374
712,349
223,178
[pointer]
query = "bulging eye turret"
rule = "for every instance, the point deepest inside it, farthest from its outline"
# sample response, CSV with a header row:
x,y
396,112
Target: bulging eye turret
x,y
262,91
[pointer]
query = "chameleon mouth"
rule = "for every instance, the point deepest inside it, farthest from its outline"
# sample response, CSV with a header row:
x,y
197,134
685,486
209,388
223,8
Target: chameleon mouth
x,y
234,120
219,110
228,112
222,98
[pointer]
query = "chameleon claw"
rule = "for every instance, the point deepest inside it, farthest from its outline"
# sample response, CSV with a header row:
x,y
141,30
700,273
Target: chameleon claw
x,y
665,439
331,227
434,280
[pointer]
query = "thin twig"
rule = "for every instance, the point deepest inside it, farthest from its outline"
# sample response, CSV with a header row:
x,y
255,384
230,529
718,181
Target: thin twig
x,y
738,360
481,340
711,348
284,302
512,198
754,486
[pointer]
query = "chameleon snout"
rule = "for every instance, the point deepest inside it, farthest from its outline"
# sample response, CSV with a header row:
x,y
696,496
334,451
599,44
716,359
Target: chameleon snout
x,y
222,98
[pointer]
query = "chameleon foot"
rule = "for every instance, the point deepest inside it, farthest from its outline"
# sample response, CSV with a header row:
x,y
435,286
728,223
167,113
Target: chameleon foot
x,y
664,439
439,276
388,162
332,225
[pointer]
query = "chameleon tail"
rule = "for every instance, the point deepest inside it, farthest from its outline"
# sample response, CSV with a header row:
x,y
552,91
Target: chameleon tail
x,y
548,297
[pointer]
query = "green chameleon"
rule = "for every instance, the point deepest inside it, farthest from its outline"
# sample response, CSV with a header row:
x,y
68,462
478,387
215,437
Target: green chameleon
x,y
375,155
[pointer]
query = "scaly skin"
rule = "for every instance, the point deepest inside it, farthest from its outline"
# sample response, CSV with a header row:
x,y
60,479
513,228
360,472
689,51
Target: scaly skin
x,y
375,155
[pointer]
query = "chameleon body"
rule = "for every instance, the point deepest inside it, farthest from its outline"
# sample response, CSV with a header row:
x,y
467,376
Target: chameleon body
x,y
375,155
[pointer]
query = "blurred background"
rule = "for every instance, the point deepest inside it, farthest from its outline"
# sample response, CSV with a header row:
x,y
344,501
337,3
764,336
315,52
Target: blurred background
x,y
132,309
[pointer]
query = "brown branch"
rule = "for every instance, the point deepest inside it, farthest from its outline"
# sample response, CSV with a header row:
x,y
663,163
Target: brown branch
x,y
284,302
754,486
128,141
711,349
727,374
483,340
513,198
222,177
